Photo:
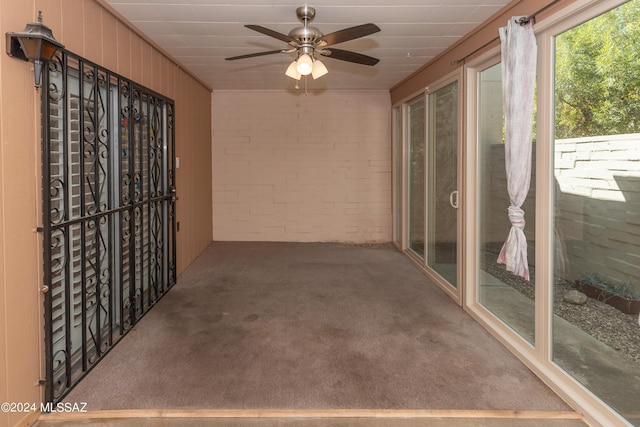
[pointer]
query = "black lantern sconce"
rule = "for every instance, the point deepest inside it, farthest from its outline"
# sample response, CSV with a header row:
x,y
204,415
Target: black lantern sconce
x,y
35,43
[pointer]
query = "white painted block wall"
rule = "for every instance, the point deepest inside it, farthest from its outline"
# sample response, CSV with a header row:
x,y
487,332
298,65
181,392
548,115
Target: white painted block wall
x,y
294,167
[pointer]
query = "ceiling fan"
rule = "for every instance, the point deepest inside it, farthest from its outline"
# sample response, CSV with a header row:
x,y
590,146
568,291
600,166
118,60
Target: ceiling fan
x,y
309,42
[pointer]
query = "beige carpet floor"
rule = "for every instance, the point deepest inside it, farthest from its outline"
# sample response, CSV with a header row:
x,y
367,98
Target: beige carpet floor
x,y
310,326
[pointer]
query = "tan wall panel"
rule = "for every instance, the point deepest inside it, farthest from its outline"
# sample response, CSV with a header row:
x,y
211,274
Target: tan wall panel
x,y
92,32
156,67
194,149
20,307
72,12
147,64
4,366
135,55
123,52
182,155
85,29
109,42
168,77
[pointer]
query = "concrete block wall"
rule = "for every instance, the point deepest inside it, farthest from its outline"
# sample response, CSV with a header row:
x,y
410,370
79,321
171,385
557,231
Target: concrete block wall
x,y
598,205
294,167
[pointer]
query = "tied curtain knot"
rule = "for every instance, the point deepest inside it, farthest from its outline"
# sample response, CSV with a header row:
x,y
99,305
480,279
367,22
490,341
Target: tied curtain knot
x,y
516,217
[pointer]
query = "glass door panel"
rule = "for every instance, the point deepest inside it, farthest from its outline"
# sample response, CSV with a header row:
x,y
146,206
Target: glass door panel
x,y
442,196
596,205
416,119
397,176
508,297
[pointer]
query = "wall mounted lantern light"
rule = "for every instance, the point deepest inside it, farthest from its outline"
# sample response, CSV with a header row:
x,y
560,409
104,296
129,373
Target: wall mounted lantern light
x,y
35,43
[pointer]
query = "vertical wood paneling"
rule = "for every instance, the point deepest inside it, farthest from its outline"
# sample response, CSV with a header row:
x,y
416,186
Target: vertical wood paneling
x,y
147,64
4,388
156,63
194,149
20,305
135,55
123,49
168,78
183,155
87,30
92,32
203,176
109,42
72,12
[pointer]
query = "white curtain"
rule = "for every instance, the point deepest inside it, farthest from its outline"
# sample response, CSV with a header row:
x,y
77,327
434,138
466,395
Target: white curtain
x,y
519,54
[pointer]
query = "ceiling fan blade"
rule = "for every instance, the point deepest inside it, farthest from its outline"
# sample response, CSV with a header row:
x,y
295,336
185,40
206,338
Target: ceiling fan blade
x,y
346,55
251,55
349,34
274,34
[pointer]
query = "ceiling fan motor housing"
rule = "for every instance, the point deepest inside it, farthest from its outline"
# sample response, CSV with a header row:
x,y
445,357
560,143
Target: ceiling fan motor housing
x,y
305,35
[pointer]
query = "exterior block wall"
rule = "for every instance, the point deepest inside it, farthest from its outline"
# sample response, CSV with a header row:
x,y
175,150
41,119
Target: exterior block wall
x,y
294,167
598,205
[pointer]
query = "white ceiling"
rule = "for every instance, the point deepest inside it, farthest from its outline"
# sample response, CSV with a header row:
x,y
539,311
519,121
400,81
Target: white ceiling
x,y
201,33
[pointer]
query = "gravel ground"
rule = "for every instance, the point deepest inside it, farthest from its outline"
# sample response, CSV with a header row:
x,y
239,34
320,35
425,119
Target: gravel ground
x,y
605,323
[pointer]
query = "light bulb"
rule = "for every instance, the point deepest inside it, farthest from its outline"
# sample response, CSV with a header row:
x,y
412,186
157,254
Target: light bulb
x,y
305,65
319,69
292,71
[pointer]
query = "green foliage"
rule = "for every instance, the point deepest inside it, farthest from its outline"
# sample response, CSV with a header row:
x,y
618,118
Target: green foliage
x,y
597,78
627,289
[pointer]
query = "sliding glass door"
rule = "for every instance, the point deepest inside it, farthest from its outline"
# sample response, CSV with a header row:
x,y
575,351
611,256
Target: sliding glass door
x,y
416,117
427,186
596,182
507,296
397,175
575,322
442,198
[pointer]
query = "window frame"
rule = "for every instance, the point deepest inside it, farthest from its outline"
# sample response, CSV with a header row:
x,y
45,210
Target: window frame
x,y
538,357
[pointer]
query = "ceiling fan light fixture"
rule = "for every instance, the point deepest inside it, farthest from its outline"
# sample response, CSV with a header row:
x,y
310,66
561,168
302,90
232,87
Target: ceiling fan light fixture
x,y
307,42
319,69
305,65
292,71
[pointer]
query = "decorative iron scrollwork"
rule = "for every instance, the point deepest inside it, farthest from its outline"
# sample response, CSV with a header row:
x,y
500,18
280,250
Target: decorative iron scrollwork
x,y
109,222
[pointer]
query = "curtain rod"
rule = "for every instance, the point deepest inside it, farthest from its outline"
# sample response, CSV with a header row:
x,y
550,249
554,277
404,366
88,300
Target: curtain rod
x,y
522,21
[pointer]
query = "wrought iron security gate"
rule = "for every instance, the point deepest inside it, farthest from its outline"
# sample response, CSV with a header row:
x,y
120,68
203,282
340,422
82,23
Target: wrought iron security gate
x,y
109,212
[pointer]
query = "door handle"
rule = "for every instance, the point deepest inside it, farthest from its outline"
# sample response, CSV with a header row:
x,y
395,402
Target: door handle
x,y
452,196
